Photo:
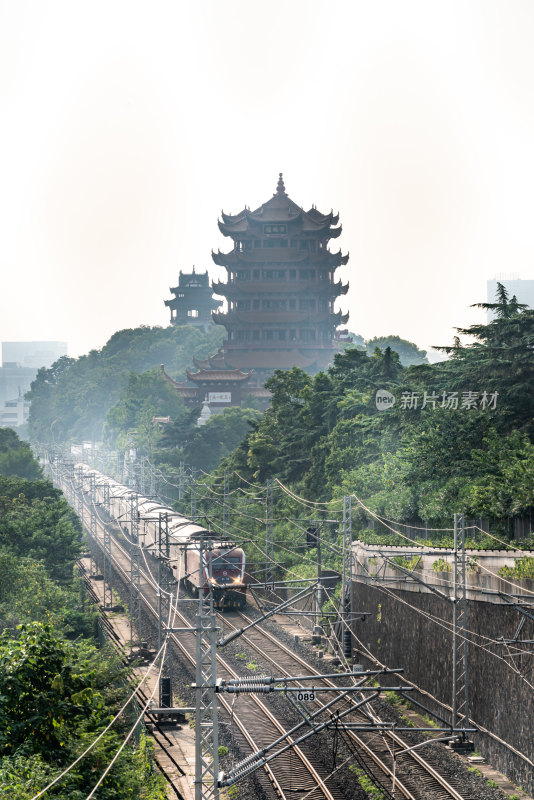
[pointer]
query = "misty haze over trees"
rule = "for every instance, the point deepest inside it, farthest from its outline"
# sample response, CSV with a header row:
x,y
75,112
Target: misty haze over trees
x,y
440,448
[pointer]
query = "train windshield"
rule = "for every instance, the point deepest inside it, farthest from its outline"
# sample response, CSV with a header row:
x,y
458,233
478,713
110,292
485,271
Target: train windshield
x,y
225,562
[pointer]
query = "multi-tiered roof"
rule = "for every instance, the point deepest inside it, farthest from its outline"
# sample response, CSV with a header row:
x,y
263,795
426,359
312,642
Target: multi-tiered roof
x,y
280,287
193,300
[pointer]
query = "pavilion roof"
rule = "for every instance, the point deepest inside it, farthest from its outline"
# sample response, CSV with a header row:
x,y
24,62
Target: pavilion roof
x,y
323,258
280,208
218,375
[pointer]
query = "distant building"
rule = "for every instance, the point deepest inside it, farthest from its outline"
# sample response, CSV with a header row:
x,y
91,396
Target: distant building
x,y
14,413
522,289
193,300
280,292
280,287
20,362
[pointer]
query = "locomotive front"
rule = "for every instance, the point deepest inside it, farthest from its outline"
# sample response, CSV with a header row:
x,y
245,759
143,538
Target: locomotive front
x,y
227,576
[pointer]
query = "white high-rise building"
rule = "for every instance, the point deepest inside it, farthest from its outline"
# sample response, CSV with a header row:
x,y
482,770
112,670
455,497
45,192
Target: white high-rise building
x,y
20,362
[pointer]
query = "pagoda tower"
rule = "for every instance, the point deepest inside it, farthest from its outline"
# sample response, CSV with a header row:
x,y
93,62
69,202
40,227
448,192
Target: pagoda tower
x,y
280,288
193,300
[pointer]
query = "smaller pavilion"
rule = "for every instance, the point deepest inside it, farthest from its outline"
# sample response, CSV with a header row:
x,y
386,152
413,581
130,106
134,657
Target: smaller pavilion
x,y
193,300
217,385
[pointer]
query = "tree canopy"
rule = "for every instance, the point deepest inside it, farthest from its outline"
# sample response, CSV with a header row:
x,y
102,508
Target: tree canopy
x,y
71,399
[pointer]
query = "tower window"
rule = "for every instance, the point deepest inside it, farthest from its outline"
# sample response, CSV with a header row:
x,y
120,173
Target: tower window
x,y
192,312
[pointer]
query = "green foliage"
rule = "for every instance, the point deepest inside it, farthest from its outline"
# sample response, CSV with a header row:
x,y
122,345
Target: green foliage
x,y
408,563
219,437
326,436
27,594
56,695
16,458
36,522
373,792
71,400
56,698
145,396
408,352
441,565
523,568
393,699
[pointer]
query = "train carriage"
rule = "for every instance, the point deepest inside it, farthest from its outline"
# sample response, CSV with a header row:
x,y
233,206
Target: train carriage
x,y
179,538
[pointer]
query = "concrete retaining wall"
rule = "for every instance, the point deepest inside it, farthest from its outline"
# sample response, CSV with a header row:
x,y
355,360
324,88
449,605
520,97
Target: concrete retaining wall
x,y
409,627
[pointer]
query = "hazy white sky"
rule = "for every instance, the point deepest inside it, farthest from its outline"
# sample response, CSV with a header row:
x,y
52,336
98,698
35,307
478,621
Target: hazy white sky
x,y
126,127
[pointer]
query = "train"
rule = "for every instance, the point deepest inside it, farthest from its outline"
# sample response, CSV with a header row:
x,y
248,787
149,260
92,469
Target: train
x,y
160,528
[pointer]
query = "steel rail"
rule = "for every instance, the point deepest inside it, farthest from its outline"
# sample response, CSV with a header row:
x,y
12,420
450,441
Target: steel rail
x,y
402,745
319,782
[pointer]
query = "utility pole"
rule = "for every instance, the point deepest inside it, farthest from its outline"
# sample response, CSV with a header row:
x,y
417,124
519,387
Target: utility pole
x,y
193,494
269,532
92,507
108,584
152,485
181,481
315,530
135,569
346,583
165,583
460,683
142,476
206,719
226,505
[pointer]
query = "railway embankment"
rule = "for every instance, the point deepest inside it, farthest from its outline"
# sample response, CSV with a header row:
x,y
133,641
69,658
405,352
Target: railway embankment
x,y
409,592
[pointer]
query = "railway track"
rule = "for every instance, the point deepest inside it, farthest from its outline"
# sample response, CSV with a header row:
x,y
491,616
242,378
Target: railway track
x,y
291,775
294,775
415,777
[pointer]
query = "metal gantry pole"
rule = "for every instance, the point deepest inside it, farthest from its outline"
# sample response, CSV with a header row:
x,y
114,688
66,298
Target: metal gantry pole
x,y
152,491
142,475
226,505
269,532
92,507
206,718
193,493
108,583
460,682
316,525
135,570
181,481
346,583
166,582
